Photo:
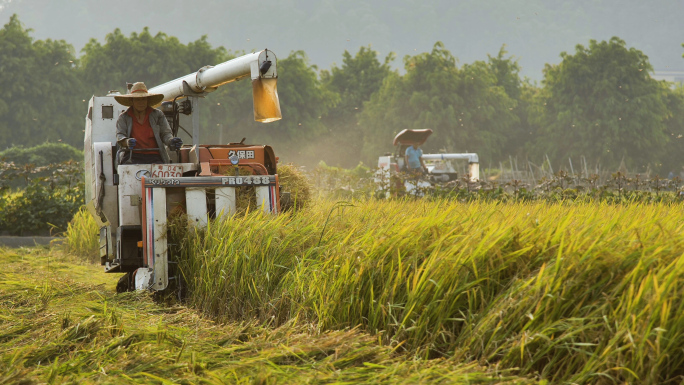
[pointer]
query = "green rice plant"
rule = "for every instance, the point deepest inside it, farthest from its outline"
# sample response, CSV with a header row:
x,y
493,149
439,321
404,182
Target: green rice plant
x,y
581,292
82,237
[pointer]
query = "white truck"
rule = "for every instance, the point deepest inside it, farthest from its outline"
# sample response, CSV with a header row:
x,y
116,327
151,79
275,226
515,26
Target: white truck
x,y
131,202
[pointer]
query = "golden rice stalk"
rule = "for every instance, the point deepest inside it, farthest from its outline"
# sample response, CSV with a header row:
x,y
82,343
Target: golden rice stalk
x,y
295,182
81,237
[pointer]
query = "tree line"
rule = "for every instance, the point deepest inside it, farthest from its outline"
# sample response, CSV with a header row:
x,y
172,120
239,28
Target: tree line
x,y
599,102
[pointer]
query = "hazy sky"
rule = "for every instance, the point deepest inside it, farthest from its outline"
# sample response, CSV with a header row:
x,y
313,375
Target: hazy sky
x,y
535,31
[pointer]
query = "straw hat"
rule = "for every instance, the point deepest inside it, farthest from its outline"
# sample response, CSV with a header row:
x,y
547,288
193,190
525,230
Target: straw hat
x,y
139,90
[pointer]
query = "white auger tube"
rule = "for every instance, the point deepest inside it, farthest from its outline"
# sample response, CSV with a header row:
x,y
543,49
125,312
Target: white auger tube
x,y
473,162
470,157
260,66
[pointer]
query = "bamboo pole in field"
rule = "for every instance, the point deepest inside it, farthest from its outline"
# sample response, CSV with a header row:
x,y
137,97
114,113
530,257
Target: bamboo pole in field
x,y
518,173
534,181
572,170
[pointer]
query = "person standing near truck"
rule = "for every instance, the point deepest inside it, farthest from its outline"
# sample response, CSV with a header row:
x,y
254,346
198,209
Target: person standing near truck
x,y
141,127
414,159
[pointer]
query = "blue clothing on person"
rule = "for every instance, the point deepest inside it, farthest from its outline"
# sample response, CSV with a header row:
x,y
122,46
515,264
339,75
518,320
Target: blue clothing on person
x,y
413,155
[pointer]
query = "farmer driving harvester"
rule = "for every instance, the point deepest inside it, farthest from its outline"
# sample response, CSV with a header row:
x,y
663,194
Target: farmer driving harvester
x,y
414,159
142,127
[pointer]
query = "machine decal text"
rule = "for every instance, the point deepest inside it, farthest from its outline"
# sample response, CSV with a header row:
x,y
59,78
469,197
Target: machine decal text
x,y
241,154
245,180
164,182
167,171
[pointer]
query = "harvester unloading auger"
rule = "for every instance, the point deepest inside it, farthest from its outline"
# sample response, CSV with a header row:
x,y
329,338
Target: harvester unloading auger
x,y
132,202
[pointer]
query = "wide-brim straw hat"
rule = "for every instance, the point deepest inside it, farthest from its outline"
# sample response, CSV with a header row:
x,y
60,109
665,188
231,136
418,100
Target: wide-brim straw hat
x,y
139,90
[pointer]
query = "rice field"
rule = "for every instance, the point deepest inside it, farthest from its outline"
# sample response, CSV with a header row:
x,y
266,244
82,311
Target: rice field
x,y
569,292
62,323
401,291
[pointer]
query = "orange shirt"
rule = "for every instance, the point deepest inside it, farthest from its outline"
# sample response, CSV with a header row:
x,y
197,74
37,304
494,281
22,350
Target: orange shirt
x,y
143,133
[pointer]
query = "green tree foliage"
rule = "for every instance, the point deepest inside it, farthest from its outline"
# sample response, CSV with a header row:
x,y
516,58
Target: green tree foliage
x,y
42,155
599,102
465,107
143,57
355,81
507,73
602,103
674,129
303,101
41,90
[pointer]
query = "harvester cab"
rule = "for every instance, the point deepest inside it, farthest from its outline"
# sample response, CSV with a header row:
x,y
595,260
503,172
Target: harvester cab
x,y
440,167
132,203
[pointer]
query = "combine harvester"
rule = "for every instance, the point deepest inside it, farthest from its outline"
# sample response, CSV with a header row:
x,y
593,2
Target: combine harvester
x,y
131,202
440,168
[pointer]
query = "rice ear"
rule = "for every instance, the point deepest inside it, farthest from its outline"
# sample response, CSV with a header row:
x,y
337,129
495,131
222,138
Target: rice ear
x,y
294,181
